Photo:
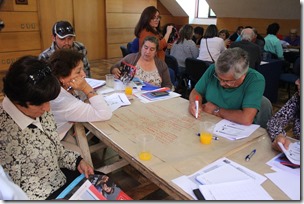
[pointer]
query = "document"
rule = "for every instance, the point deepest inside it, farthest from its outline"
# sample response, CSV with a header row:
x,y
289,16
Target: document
x,y
117,100
234,131
240,173
95,83
293,153
281,162
238,190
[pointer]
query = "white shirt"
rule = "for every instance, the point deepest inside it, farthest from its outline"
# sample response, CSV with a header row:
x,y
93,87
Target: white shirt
x,y
8,189
216,46
22,120
67,109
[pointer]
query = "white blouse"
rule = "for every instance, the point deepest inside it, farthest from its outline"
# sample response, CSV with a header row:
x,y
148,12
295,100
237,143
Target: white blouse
x,y
216,46
68,109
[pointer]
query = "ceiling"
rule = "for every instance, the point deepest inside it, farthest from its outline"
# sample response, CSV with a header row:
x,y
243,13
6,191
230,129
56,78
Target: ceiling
x,y
266,9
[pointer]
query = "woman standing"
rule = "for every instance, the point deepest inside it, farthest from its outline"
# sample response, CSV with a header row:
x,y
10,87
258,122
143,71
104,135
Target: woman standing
x,y
149,25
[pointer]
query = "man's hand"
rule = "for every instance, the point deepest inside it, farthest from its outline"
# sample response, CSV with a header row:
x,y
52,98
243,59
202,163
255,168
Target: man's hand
x,y
209,107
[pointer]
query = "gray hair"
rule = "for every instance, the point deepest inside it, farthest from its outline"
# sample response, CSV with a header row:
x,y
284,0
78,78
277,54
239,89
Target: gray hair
x,y
247,34
233,59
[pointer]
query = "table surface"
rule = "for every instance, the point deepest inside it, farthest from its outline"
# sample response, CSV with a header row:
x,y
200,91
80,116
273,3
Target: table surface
x,y
176,148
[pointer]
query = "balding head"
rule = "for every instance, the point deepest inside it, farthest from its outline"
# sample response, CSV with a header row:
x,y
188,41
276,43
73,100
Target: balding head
x,y
247,34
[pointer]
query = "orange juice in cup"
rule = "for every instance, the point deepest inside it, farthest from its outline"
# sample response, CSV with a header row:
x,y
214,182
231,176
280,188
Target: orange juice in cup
x,y
144,144
128,89
206,137
206,132
144,155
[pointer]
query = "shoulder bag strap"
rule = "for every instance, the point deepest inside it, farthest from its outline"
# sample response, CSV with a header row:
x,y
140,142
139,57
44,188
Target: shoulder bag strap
x,y
209,51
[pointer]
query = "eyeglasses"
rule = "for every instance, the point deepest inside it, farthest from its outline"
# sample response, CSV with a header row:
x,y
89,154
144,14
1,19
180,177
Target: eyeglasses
x,y
156,18
61,31
40,75
228,82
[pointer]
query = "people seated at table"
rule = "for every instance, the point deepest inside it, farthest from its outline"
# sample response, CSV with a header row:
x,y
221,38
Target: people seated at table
x,y
253,50
211,45
70,105
289,113
198,35
236,34
293,39
63,36
8,189
30,149
149,25
224,34
229,89
184,47
149,68
272,42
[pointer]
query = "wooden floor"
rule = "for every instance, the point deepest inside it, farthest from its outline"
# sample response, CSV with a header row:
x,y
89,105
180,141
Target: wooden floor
x,y
129,179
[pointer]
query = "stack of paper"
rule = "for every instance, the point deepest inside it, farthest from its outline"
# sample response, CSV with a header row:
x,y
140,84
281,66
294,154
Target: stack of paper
x,y
225,180
233,131
288,170
117,100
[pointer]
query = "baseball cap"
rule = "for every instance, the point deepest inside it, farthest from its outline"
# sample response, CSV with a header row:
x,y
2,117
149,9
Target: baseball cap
x,y
63,29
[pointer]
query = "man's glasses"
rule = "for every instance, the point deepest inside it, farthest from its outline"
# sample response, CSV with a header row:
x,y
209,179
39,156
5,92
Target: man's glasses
x,y
156,18
40,75
64,30
228,82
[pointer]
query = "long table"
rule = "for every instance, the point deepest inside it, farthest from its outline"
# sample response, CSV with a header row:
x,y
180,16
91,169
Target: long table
x,y
176,149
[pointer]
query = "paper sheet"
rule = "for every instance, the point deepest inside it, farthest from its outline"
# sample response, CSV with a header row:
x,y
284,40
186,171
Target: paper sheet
x,y
293,153
233,131
117,100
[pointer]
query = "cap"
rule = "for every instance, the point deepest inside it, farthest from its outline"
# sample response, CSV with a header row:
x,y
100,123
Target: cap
x,y
63,29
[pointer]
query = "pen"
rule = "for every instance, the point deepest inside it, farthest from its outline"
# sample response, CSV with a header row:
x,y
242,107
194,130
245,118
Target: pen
x,y
213,137
248,157
196,106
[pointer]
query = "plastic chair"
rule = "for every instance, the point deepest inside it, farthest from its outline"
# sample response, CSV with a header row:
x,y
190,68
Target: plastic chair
x,y
124,50
265,112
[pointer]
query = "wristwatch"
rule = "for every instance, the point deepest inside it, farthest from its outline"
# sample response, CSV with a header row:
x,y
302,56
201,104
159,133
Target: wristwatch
x,y
216,110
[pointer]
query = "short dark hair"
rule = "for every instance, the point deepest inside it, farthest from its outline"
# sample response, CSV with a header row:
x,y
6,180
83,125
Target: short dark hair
x,y
152,39
63,61
199,30
29,80
273,28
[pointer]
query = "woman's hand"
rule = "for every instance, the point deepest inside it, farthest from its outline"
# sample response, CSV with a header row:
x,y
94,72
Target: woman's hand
x,y
280,138
85,168
116,72
78,83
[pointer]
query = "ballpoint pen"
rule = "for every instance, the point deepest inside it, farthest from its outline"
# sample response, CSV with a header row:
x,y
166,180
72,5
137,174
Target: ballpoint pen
x,y
248,157
196,106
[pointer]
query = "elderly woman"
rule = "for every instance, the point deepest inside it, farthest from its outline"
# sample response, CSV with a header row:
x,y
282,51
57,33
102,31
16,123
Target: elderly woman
x,y
30,150
149,68
69,106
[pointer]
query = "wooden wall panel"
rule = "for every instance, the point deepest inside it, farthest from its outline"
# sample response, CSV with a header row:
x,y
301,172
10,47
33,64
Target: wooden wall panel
x,y
90,29
17,41
6,58
50,12
260,24
114,51
10,5
120,35
128,6
19,21
122,20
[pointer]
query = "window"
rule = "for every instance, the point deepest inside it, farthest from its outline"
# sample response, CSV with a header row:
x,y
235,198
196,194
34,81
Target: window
x,y
203,10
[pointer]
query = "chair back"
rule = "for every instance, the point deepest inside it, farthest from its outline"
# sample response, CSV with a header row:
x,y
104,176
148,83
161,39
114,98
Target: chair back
x,y
265,112
124,50
271,72
172,63
195,68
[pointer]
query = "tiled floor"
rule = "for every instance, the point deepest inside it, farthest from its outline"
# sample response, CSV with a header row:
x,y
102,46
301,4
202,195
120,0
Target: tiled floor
x,y
128,177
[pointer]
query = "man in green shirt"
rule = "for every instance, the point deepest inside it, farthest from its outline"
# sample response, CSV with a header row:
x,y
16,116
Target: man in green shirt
x,y
229,89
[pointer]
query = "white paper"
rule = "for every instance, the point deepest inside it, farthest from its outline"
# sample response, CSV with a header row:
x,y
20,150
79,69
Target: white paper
x,y
234,131
238,190
289,183
188,183
95,83
117,100
280,162
293,153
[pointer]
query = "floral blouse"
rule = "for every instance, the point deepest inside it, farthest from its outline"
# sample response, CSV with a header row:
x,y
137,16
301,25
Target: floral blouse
x,y
289,112
33,157
152,77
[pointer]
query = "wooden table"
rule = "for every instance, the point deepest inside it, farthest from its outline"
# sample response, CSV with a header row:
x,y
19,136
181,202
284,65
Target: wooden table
x,y
176,148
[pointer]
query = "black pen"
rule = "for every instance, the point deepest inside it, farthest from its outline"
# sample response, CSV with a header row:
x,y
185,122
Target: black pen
x,y
248,157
